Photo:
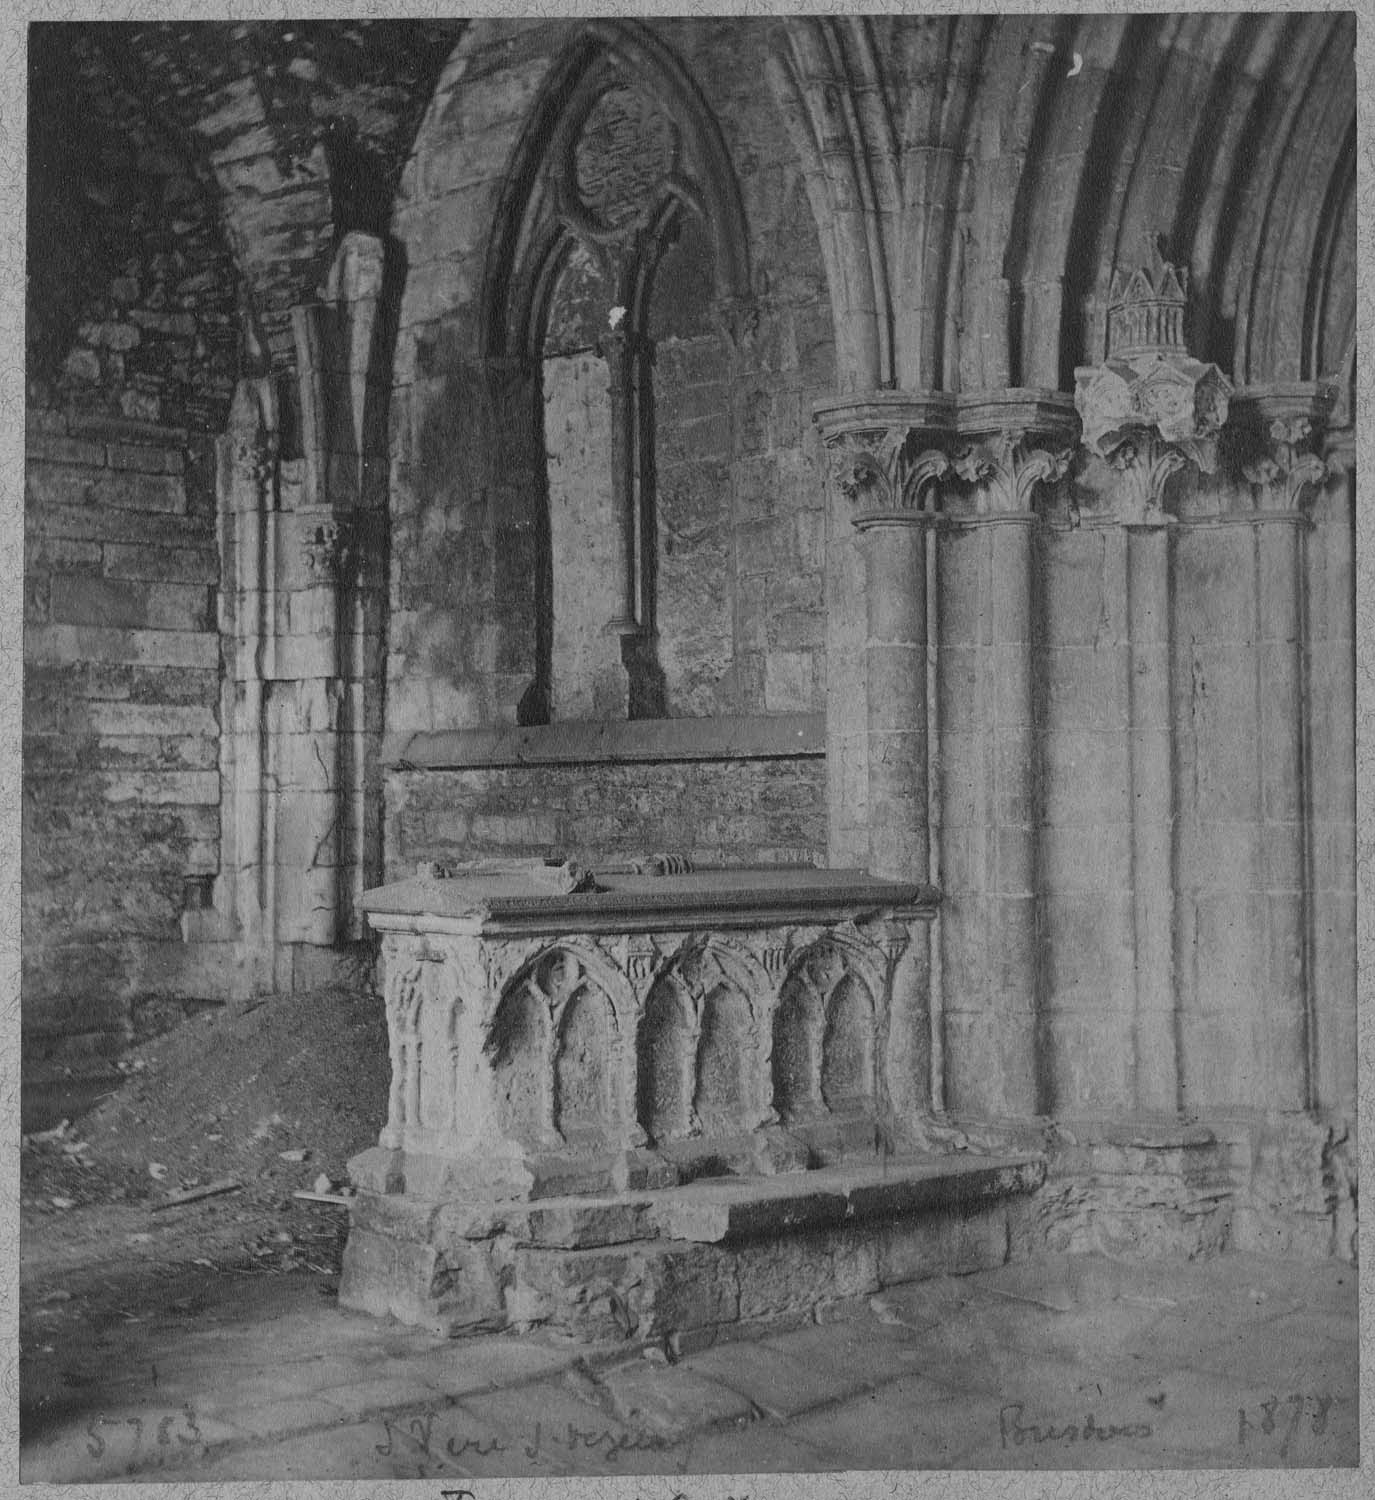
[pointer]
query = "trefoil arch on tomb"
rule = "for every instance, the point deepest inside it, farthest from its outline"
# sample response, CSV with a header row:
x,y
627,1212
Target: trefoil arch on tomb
x,y
829,1029
558,1050
702,1042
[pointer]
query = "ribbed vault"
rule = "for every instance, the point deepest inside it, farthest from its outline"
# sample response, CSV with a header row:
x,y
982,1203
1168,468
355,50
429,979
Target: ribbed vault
x,y
977,191
294,130
976,180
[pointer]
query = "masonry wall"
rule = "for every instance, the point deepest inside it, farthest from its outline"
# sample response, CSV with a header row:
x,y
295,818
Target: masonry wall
x,y
121,740
716,812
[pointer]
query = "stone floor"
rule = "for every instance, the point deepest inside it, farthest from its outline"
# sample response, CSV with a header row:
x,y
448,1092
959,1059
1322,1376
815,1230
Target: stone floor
x,y
1066,1363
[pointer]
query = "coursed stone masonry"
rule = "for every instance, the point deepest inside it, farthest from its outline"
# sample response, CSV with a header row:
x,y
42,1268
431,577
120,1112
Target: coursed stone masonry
x,y
121,733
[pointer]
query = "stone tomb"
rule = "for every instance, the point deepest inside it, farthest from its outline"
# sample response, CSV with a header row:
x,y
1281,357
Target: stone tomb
x,y
656,1101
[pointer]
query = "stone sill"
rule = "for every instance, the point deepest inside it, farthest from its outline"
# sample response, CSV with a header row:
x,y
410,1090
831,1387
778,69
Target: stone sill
x,y
609,741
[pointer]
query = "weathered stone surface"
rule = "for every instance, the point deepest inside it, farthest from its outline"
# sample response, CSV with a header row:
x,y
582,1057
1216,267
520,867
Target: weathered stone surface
x,y
617,809
571,1226
694,1258
449,1293
1143,777
121,729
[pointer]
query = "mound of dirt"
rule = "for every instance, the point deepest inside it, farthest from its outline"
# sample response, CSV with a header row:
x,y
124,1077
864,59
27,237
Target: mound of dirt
x,y
272,1094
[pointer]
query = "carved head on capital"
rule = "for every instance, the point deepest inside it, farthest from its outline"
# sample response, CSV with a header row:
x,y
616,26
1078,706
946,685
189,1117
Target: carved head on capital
x,y
858,474
1149,380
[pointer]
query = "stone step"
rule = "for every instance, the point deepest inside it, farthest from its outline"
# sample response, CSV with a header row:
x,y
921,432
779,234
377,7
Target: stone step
x,y
712,1210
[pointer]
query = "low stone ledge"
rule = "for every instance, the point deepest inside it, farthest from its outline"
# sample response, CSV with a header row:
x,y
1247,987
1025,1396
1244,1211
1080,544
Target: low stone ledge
x,y
829,1196
709,1212
592,742
708,1255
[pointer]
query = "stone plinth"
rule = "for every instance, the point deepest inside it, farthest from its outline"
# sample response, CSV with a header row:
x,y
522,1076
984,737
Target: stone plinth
x,y
682,1262
555,1035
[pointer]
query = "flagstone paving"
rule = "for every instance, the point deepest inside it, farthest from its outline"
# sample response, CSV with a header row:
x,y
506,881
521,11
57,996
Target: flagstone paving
x,y
1061,1363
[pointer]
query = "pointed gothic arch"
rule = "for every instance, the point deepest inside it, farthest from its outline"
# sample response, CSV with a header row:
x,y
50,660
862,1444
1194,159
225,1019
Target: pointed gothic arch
x,y
619,156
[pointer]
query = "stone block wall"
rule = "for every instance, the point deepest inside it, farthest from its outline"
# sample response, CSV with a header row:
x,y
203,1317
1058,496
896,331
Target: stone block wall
x,y
121,736
716,812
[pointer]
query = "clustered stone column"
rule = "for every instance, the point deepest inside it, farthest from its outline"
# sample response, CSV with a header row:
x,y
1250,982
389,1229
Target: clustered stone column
x,y
1012,444
1276,429
885,460
1118,820
905,462
1152,412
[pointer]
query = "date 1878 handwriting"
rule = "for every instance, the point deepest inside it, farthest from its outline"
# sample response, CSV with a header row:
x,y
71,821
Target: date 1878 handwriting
x,y
1286,1416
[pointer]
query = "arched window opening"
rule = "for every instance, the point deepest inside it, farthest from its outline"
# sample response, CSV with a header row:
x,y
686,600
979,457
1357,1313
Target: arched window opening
x,y
623,238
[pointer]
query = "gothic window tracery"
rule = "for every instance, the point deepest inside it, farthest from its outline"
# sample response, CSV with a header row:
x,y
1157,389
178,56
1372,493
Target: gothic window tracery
x,y
621,250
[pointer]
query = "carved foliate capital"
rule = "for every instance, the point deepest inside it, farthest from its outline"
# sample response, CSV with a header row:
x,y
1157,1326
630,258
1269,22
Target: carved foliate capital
x,y
1183,402
1278,441
886,450
886,474
1287,468
621,349
1005,469
1145,464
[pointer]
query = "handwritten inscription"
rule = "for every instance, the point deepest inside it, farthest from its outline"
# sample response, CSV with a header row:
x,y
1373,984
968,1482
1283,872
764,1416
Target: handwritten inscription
x,y
1284,1415
416,1439
134,1438
1013,1432
472,1495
